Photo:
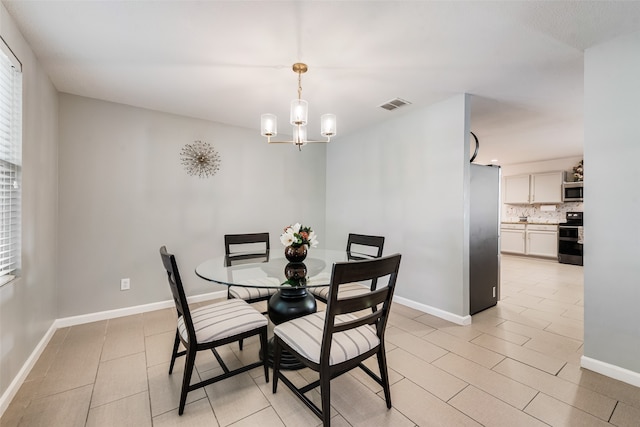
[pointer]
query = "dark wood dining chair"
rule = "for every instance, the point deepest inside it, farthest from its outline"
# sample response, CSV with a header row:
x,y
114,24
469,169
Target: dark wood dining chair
x,y
335,341
358,246
242,247
208,327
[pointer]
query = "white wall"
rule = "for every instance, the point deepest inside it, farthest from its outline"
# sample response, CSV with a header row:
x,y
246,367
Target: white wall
x,y
612,150
28,304
406,179
124,193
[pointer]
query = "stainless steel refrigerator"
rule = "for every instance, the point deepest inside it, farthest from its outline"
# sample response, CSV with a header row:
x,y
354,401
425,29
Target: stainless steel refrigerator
x,y
484,239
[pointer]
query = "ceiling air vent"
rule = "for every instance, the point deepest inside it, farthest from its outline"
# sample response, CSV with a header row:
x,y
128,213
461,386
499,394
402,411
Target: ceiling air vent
x,y
394,103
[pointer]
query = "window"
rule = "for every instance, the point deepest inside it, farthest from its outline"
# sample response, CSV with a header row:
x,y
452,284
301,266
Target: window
x,y
10,164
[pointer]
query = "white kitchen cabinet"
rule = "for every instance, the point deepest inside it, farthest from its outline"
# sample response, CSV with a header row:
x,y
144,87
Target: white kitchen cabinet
x,y
537,188
529,239
516,189
512,238
546,187
542,240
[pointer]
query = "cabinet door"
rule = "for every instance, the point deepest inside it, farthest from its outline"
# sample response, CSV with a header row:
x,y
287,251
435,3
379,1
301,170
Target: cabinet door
x,y
546,187
516,189
542,243
512,241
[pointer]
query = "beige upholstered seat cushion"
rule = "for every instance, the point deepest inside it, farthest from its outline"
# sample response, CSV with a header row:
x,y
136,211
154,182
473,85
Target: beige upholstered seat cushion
x,y
344,291
255,289
222,320
243,293
304,335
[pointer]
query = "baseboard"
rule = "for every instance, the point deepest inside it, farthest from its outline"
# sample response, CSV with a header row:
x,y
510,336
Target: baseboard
x,y
64,322
612,371
459,320
128,311
15,385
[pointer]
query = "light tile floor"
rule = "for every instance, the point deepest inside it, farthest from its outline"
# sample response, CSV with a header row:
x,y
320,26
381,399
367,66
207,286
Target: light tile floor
x,y
518,364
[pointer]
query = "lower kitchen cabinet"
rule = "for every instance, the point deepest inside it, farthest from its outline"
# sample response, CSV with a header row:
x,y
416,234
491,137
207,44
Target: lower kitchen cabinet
x,y
529,239
542,240
512,238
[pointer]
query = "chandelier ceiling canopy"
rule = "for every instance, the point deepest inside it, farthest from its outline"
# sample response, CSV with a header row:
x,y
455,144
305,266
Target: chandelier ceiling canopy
x,y
298,118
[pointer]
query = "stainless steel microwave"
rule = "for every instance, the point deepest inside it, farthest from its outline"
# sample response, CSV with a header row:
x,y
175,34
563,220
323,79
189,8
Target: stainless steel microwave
x,y
572,191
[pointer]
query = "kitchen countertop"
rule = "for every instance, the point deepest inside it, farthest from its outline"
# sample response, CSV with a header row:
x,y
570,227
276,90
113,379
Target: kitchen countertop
x,y
534,222
509,219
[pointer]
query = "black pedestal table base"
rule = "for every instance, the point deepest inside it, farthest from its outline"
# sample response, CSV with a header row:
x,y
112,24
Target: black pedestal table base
x,y
286,304
289,303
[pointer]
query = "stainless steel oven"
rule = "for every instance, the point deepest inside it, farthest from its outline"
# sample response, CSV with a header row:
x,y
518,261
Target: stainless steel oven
x,y
571,239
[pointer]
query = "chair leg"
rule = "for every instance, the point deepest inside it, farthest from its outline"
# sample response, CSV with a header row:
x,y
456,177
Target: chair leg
x,y
277,352
231,297
264,350
325,396
176,344
384,375
186,380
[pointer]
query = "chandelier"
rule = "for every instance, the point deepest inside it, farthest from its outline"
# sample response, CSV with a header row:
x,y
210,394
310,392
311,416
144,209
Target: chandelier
x,y
298,118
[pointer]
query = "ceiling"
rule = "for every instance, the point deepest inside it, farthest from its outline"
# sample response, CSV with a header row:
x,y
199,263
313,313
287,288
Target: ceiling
x,y
230,61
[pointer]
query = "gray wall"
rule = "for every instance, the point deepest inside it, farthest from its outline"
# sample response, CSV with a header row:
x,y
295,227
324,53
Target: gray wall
x,y
612,243
406,179
28,304
124,193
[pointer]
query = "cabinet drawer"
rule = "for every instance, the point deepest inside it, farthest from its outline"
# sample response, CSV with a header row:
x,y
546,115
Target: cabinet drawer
x,y
541,227
512,226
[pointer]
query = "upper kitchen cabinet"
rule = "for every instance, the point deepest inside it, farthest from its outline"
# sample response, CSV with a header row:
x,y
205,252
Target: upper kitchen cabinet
x,y
546,187
535,188
516,189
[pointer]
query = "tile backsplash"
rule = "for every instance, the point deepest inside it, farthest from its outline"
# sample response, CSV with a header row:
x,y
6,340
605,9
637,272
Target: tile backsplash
x,y
512,213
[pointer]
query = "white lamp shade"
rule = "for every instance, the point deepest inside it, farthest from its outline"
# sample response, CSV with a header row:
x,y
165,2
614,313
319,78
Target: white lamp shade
x,y
328,125
299,112
268,125
300,135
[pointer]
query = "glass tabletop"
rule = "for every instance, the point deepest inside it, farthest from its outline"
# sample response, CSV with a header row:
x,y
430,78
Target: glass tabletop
x,y
273,270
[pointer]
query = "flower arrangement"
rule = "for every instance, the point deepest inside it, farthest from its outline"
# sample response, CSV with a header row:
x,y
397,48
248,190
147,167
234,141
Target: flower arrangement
x,y
298,235
578,171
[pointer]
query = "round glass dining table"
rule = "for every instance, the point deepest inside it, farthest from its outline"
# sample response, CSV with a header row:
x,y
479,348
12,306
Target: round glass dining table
x,y
273,270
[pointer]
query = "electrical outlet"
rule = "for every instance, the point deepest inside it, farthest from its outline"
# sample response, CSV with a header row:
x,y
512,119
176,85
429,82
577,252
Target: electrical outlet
x,y
494,291
125,284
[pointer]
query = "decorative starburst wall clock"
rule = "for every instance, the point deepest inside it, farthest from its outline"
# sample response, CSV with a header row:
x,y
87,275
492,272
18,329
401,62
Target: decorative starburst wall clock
x,y
200,159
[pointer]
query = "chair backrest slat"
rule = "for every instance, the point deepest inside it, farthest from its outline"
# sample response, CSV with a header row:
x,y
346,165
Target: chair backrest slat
x,y
177,290
369,319
250,239
360,302
376,242
379,300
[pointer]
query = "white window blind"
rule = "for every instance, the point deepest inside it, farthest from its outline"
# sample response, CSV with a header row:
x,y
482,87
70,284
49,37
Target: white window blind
x,y
10,168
